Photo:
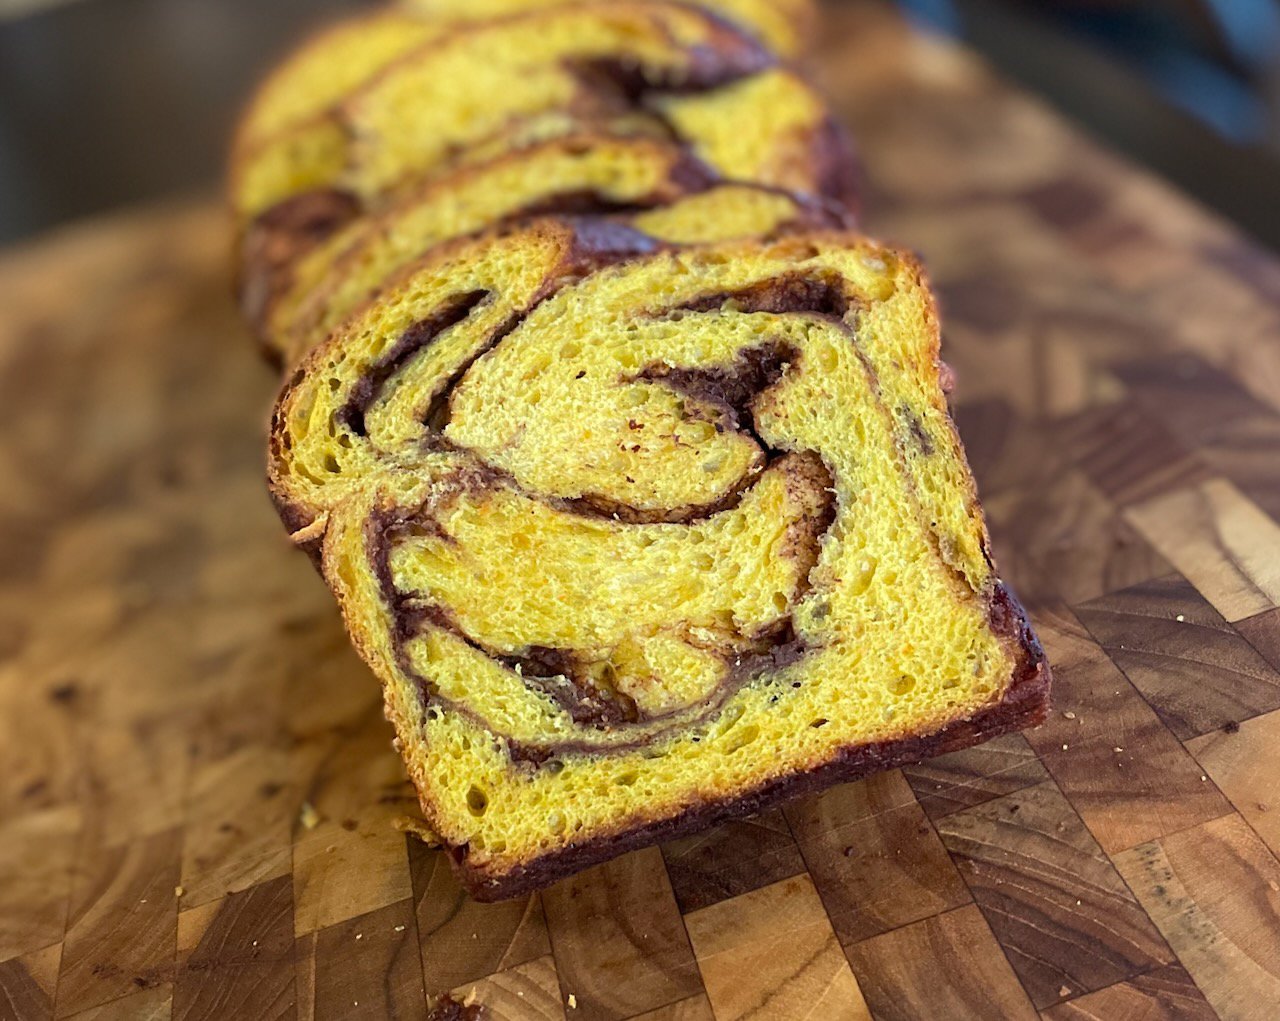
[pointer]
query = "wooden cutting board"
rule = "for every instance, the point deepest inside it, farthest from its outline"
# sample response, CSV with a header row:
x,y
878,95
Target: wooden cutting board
x,y
197,788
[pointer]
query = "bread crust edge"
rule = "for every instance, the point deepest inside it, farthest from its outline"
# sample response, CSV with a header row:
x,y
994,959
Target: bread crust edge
x,y
1025,703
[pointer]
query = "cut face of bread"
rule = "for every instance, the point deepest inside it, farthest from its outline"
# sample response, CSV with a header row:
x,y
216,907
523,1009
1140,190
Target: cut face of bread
x,y
327,68
663,69
651,183
784,25
339,60
638,537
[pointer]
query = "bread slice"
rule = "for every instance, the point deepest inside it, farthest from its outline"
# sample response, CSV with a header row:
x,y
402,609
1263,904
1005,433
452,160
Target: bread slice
x,y
296,301
335,62
785,26
402,113
327,67
640,536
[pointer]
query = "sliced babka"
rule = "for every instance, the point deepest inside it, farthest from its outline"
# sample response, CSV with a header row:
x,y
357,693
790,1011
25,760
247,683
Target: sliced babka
x,y
784,25
641,536
653,184
412,101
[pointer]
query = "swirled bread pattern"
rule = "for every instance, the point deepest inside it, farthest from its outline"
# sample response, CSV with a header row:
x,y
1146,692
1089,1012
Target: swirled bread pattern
x,y
653,184
784,25
628,461
630,529
411,99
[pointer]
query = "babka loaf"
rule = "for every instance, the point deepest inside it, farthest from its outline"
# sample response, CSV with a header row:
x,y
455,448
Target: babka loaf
x,y
783,25
337,61
628,461
640,536
653,184
412,100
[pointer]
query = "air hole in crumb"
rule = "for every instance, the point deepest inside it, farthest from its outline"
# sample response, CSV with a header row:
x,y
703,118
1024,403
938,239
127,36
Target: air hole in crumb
x,y
821,721
902,685
741,737
477,801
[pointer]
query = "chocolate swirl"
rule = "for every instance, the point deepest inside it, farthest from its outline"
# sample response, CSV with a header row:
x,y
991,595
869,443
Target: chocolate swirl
x,y
638,428
636,69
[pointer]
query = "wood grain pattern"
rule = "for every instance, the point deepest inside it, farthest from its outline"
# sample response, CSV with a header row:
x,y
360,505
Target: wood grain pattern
x,y
1263,633
1064,540
730,860
772,953
696,1008
1052,898
1197,672
42,778
1125,773
1220,540
1187,394
43,966
1005,449
183,721
122,926
338,876
368,967
1245,763
238,829
962,779
527,992
21,996
349,860
461,941
1131,456
875,858
949,966
1214,891
36,855
148,1005
243,964
1165,994
1233,431
619,943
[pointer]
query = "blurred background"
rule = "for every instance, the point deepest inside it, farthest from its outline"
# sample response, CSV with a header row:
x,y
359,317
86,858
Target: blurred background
x,y
1191,88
